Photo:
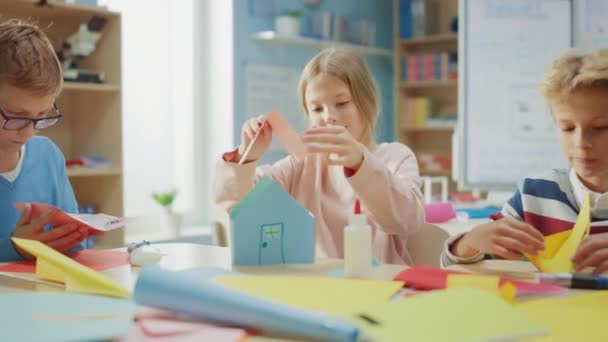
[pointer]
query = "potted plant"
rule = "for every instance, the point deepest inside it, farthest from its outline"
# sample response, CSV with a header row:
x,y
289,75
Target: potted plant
x,y
172,220
287,24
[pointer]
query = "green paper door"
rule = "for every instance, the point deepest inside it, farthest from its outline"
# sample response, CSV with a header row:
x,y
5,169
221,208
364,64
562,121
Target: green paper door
x,y
271,244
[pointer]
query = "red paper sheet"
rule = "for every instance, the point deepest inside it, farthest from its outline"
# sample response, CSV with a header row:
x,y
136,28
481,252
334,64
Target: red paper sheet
x,y
431,278
95,259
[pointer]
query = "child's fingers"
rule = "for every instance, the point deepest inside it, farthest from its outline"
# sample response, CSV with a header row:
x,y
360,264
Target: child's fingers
x,y
504,253
525,227
326,148
26,215
596,258
515,245
57,232
601,269
325,130
522,236
324,138
43,220
67,242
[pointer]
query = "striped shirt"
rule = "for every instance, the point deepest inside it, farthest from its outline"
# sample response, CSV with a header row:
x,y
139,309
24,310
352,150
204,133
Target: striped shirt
x,y
550,203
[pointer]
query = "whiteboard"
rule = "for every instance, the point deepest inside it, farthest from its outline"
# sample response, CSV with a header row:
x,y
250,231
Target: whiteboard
x,y
270,87
590,24
505,130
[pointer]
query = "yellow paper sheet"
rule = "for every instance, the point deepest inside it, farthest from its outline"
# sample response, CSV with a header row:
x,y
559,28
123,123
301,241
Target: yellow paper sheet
x,y
561,247
449,315
473,281
487,283
52,265
332,295
580,317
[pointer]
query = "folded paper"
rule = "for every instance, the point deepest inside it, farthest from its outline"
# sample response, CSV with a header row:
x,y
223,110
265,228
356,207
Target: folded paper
x,y
54,266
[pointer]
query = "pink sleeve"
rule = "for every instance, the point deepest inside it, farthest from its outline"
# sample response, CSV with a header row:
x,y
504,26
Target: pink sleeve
x,y
233,181
391,196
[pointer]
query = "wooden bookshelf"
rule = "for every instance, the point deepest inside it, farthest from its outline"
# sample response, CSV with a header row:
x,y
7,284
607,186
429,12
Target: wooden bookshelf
x,y
444,94
430,85
431,42
92,122
272,37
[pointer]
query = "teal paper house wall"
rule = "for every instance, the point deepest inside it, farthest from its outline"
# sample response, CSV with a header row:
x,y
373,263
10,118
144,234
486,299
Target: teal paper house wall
x,y
270,227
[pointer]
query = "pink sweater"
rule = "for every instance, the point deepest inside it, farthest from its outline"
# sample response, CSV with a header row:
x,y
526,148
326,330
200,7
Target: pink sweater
x,y
387,184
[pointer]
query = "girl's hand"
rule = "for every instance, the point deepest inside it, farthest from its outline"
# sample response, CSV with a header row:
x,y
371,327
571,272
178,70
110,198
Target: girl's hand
x,y
62,238
337,142
508,238
592,252
251,128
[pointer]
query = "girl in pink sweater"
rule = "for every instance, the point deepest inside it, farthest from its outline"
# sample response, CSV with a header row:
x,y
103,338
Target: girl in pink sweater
x,y
343,163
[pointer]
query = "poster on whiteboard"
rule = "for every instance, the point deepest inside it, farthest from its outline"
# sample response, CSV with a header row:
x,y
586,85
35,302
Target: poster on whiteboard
x,y
270,87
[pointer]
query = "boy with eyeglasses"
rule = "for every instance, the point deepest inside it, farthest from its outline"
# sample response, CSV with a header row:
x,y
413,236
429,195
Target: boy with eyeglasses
x,y
32,169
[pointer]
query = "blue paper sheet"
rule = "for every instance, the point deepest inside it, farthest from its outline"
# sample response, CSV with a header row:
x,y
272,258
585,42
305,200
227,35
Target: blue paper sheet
x,y
61,316
190,292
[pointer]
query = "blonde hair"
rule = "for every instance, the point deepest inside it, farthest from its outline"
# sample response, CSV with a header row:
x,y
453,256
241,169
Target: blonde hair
x,y
351,69
575,71
27,59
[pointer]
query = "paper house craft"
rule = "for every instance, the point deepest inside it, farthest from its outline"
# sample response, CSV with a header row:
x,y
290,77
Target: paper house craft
x,y
270,227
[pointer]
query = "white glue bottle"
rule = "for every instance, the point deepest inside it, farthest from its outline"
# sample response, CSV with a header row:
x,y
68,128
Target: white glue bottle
x,y
357,245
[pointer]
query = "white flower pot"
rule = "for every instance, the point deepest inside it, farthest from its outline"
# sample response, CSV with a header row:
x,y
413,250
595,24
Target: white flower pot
x,y
287,26
173,222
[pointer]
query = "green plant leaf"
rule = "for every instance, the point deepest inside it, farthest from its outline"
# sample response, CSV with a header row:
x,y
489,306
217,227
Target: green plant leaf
x,y
165,199
295,13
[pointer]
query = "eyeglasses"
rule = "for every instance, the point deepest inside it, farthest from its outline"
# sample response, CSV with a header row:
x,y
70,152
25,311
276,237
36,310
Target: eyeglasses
x,y
13,123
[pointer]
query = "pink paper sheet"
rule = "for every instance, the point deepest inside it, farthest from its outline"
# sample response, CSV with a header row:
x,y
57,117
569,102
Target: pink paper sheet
x,y
287,135
432,278
161,326
439,212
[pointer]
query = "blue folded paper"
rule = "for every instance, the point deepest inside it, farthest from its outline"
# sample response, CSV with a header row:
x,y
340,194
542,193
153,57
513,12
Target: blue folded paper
x,y
193,293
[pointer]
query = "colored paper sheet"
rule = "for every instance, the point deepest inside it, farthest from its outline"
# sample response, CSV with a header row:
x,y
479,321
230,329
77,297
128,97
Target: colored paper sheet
x,y
54,266
96,223
190,292
287,135
482,282
561,247
488,283
97,260
432,278
329,295
439,212
174,330
60,316
450,315
580,317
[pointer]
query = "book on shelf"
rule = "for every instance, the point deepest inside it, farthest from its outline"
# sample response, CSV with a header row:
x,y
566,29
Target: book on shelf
x,y
416,111
417,18
429,67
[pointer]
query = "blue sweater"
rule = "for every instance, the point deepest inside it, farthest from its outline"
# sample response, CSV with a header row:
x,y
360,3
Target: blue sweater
x,y
43,178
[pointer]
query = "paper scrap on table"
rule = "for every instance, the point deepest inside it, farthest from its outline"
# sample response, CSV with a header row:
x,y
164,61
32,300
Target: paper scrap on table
x,y
98,260
332,295
54,266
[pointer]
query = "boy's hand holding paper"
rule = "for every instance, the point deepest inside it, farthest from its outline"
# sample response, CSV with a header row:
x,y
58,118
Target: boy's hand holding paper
x,y
561,247
95,224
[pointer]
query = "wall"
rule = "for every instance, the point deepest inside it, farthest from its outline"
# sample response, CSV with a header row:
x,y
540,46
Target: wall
x,y
247,50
